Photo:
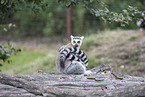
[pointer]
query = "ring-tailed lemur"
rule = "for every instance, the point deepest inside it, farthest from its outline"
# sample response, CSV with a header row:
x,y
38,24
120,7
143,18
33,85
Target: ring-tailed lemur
x,y
73,54
71,59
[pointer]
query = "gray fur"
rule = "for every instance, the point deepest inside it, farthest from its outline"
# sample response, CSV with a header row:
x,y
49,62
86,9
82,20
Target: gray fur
x,y
75,68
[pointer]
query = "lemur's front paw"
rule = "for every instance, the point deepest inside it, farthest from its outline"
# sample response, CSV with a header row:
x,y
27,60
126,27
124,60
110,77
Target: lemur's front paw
x,y
88,72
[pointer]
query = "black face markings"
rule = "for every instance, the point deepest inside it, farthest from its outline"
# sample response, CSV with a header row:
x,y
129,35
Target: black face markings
x,y
76,41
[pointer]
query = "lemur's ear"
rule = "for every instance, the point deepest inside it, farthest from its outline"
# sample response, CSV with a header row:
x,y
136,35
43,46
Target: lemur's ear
x,y
82,37
71,36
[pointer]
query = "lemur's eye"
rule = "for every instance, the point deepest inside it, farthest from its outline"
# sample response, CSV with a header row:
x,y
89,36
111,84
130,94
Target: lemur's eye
x,y
78,41
74,42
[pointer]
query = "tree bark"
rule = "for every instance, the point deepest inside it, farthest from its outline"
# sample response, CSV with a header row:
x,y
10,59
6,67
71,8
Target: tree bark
x,y
102,82
69,21
20,83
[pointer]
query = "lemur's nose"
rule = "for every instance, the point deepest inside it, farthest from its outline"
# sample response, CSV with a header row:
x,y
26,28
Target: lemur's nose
x,y
76,45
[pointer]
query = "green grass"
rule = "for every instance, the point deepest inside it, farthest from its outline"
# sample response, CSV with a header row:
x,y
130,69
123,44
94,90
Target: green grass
x,y
29,62
117,48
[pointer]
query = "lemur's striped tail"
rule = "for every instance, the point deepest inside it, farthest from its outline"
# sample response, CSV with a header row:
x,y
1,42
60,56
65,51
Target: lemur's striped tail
x,y
62,62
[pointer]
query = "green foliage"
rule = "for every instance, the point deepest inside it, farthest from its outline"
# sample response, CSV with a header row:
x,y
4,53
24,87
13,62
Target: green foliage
x,y
47,17
9,7
6,51
7,28
29,24
98,8
93,62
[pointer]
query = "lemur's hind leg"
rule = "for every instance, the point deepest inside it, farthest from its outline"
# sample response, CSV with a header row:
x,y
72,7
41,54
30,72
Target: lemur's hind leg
x,y
76,68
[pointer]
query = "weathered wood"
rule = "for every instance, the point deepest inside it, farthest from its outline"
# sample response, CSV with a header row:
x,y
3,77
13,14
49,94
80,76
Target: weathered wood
x,y
20,83
103,82
11,91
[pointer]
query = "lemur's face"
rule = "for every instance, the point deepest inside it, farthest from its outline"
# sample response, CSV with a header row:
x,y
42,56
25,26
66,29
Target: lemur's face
x,y
76,41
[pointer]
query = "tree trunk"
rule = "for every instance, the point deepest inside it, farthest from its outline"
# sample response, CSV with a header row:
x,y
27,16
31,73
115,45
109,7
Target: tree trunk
x,y
69,21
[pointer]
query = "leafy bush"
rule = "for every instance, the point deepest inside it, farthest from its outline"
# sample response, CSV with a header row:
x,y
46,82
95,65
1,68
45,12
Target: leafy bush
x,y
6,51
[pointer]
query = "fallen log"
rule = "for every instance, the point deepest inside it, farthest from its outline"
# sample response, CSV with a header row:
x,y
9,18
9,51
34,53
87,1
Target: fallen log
x,y
102,82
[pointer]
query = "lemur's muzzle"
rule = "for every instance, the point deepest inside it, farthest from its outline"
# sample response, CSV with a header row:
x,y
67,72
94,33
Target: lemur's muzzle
x,y
76,45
